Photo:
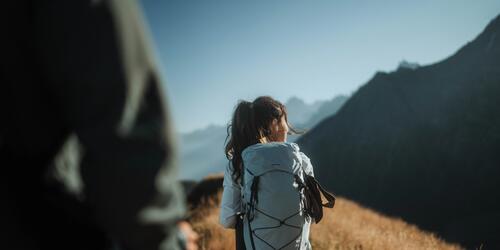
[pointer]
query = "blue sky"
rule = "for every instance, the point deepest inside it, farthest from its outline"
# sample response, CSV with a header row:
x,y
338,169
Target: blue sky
x,y
215,52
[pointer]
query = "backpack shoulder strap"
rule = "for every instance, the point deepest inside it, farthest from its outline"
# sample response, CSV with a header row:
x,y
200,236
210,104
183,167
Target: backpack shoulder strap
x,y
330,197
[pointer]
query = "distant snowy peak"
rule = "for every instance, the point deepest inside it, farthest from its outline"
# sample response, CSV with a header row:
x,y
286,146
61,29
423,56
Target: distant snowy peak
x,y
408,65
299,111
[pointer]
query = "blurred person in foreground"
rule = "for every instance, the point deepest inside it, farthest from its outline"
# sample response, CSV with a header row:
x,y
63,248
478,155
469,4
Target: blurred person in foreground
x,y
81,73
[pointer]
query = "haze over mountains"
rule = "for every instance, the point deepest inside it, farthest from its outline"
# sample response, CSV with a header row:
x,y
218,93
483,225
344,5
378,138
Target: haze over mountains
x,y
423,143
202,151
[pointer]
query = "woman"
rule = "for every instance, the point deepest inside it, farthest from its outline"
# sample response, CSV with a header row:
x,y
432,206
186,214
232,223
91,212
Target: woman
x,y
258,128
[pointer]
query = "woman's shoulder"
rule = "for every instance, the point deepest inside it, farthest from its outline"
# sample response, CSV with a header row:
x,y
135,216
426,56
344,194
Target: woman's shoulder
x,y
293,145
288,145
229,178
272,151
272,145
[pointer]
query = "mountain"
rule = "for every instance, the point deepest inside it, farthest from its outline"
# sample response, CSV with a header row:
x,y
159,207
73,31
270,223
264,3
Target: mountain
x,y
202,151
423,144
408,65
326,109
300,112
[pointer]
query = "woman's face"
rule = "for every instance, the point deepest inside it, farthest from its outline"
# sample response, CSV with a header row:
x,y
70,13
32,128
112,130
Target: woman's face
x,y
279,130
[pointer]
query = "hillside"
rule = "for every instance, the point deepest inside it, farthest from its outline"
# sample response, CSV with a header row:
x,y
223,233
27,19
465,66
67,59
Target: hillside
x,y
347,226
422,144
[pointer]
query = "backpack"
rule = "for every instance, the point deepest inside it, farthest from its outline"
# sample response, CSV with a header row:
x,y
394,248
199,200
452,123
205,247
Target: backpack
x,y
279,198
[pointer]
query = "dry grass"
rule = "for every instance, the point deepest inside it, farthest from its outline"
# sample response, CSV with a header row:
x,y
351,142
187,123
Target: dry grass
x,y
204,217
346,227
212,234
350,226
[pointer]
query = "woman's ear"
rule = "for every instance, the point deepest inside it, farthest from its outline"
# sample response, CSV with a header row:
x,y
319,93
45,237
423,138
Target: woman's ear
x,y
274,124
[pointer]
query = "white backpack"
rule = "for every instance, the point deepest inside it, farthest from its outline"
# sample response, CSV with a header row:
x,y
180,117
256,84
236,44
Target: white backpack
x,y
277,211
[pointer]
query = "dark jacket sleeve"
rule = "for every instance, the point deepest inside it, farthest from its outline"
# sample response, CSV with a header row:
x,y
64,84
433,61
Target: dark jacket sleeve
x,y
97,58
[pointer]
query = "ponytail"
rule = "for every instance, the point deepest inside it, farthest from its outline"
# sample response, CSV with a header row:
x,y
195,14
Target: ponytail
x,y
250,123
241,133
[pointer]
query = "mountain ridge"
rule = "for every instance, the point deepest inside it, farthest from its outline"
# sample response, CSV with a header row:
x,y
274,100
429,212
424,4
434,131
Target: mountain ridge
x,y
415,139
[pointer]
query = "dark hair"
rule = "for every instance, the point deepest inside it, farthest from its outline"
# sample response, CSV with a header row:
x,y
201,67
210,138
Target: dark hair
x,y
251,121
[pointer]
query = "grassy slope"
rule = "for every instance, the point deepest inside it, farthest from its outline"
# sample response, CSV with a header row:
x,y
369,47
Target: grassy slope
x,y
347,226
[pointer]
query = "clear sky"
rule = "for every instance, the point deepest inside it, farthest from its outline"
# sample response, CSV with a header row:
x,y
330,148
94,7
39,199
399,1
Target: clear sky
x,y
215,52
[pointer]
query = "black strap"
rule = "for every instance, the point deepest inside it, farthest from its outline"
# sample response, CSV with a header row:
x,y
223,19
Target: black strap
x,y
250,231
330,197
314,204
240,242
254,198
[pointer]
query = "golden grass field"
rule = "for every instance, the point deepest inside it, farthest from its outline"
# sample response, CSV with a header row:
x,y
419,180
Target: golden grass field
x,y
347,226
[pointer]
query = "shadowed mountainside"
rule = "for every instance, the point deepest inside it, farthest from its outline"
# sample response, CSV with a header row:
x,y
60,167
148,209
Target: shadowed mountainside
x,y
423,144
